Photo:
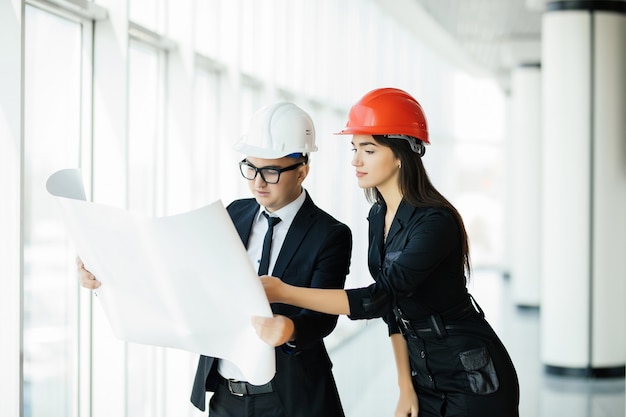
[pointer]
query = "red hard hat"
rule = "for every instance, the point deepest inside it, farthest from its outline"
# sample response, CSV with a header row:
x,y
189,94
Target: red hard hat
x,y
387,111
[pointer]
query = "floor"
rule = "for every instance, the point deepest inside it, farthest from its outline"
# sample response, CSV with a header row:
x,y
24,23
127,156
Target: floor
x,y
374,392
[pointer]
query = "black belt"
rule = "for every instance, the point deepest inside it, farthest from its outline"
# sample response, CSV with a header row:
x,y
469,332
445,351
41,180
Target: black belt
x,y
241,388
439,332
435,323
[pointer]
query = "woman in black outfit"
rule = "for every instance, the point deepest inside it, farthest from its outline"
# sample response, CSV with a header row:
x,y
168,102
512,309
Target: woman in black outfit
x,y
450,361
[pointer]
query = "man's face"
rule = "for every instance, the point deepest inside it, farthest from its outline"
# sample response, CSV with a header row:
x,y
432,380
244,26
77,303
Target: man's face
x,y
276,196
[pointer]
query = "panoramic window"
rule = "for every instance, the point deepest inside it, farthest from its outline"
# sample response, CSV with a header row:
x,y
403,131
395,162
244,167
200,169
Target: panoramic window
x,y
52,142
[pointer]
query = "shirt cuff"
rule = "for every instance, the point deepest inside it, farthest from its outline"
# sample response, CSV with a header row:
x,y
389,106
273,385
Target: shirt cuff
x,y
288,347
357,298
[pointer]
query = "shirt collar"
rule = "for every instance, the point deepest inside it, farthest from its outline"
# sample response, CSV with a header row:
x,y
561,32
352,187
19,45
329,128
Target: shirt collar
x,y
287,213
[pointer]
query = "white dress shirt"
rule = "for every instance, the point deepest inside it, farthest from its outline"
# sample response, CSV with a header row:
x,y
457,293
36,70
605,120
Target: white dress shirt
x,y
255,246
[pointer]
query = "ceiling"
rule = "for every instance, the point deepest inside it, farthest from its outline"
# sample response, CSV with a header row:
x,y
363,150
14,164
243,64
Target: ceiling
x,y
497,35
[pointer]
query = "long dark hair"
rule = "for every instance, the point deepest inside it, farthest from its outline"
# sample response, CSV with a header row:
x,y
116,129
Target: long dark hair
x,y
416,188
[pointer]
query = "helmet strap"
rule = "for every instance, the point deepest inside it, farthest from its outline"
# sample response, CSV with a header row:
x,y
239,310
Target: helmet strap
x,y
417,145
298,155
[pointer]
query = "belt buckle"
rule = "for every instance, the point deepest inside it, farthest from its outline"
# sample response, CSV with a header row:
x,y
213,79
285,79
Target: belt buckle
x,y
408,329
230,388
406,324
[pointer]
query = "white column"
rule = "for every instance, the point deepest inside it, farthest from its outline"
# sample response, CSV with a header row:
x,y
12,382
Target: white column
x,y
526,146
11,184
584,189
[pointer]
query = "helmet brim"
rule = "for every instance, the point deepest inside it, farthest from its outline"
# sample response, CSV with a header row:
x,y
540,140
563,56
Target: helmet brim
x,y
378,130
257,152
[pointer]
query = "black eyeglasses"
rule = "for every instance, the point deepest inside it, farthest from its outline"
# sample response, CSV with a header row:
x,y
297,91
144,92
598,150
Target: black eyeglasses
x,y
269,174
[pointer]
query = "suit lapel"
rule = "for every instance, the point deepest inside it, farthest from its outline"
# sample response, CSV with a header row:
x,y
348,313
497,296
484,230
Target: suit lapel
x,y
403,215
396,226
377,224
297,232
376,221
244,223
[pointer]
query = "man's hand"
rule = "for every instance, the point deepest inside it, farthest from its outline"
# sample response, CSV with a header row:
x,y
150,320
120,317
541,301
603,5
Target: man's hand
x,y
86,278
274,331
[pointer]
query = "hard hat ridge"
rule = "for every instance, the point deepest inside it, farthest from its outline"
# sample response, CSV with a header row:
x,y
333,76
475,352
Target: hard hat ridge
x,y
278,130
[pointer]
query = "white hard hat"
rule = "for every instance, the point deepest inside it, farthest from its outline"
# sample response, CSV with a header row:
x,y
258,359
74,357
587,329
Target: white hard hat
x,y
278,130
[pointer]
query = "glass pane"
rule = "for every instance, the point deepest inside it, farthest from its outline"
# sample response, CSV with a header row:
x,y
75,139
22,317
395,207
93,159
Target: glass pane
x,y
52,130
207,27
206,139
249,103
249,58
143,141
147,13
143,126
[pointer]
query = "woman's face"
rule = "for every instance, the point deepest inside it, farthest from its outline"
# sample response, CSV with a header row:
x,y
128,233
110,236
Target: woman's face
x,y
376,165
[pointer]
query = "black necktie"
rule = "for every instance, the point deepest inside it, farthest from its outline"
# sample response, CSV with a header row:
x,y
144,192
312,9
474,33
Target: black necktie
x,y
267,243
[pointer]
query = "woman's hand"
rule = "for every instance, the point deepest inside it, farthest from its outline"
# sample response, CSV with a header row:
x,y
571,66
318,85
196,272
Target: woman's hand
x,y
329,301
86,278
274,331
273,287
408,405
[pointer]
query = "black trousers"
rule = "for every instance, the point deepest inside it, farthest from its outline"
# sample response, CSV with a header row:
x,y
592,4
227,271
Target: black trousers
x,y
465,373
225,404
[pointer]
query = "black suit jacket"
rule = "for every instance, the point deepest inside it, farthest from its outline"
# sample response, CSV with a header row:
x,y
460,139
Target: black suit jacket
x,y
316,253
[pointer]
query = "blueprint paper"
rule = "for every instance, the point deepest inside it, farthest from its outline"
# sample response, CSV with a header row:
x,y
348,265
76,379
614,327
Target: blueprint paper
x,y
182,281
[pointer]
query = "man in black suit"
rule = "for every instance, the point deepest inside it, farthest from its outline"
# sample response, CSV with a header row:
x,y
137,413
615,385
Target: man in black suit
x,y
308,248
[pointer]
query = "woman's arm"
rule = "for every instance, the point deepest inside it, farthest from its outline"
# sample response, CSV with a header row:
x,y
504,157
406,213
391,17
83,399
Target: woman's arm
x,y
329,301
407,403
